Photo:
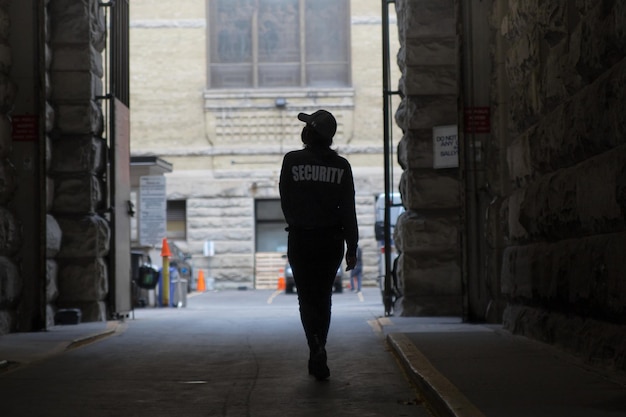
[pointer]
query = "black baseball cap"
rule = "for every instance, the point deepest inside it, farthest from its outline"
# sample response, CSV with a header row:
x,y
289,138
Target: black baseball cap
x,y
321,121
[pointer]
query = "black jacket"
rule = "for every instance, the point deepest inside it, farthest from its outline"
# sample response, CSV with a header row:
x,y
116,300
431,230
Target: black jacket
x,y
317,192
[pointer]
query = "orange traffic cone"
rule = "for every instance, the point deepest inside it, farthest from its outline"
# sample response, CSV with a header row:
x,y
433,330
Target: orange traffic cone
x,y
201,287
165,248
281,280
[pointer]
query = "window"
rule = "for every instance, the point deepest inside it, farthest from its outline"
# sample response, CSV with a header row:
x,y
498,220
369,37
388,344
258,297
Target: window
x,y
270,227
279,43
177,219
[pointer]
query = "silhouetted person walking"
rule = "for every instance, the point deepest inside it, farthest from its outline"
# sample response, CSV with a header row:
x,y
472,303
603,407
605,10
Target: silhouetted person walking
x,y
317,198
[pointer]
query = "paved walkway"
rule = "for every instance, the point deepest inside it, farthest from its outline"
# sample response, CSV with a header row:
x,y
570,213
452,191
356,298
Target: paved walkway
x,y
462,370
469,370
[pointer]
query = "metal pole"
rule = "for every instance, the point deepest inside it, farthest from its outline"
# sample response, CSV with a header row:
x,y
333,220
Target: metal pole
x,y
387,292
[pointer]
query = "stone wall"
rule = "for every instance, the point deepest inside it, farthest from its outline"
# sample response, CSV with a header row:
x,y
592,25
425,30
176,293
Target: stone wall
x,y
220,208
10,227
78,234
562,74
427,233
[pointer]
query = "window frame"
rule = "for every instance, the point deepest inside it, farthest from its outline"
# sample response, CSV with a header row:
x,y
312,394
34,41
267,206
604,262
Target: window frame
x,y
304,64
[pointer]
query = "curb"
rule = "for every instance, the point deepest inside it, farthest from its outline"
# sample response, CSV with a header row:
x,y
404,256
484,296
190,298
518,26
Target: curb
x,y
440,394
112,328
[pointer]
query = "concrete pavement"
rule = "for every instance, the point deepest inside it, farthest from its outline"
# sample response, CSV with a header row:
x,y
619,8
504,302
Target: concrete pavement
x,y
461,370
466,370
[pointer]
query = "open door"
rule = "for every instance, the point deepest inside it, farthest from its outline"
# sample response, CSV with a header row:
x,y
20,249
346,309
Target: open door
x,y
120,273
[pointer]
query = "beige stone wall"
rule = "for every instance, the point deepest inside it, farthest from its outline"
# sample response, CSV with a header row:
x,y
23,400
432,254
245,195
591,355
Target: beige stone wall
x,y
227,148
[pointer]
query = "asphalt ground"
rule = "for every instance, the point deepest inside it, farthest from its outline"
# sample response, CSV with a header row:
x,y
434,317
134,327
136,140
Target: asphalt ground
x,y
242,353
230,353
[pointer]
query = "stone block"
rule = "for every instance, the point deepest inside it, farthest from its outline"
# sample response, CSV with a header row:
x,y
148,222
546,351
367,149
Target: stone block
x,y
79,154
11,284
8,321
86,281
48,156
560,75
79,118
49,193
514,231
569,202
599,42
6,60
573,132
424,112
77,194
52,287
77,57
53,237
10,233
47,50
84,237
436,51
427,238
5,24
432,306
6,139
422,189
430,291
598,343
50,311
619,16
225,221
50,117
584,274
75,86
519,161
235,235
429,80
8,90
426,18
8,181
77,21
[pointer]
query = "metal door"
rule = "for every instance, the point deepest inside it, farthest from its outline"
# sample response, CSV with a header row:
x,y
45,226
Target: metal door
x,y
120,300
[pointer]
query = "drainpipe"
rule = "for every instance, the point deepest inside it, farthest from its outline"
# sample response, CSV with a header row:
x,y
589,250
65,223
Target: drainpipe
x,y
388,300
475,117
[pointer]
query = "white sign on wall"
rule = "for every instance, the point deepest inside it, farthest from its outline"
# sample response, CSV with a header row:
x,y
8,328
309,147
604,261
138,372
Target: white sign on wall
x,y
445,146
152,210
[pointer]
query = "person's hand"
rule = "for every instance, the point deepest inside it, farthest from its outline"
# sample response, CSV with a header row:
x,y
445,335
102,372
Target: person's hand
x,y
350,262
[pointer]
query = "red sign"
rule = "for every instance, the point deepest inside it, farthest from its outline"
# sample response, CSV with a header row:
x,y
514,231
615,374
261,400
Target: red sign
x,y
25,127
477,120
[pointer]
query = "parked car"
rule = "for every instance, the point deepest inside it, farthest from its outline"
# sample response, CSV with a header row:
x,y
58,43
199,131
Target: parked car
x,y
290,284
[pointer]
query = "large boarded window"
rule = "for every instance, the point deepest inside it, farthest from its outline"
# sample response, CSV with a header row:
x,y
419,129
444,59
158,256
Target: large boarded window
x,y
279,43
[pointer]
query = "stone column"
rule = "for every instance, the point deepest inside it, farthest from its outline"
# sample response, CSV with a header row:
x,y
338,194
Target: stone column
x,y
10,228
427,233
77,164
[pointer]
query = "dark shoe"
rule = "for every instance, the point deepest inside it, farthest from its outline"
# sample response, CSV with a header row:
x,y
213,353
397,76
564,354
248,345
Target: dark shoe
x,y
317,365
317,359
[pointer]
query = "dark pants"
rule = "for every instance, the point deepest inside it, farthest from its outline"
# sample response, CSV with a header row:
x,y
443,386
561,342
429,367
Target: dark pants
x,y
314,257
